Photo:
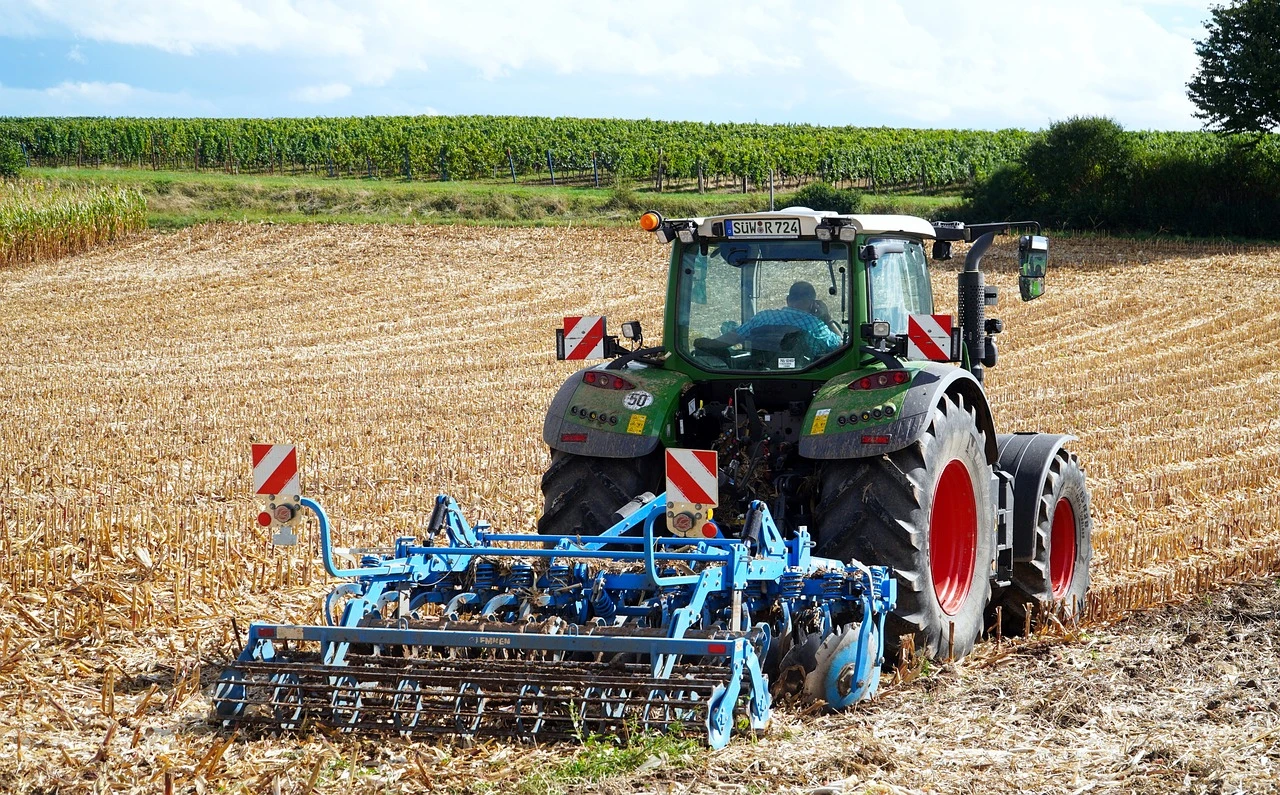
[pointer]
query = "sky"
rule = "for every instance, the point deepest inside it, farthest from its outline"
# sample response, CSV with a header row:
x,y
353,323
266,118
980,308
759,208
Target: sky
x,y
981,64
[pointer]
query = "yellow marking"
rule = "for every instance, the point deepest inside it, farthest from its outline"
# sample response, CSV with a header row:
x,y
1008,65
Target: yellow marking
x,y
636,424
820,421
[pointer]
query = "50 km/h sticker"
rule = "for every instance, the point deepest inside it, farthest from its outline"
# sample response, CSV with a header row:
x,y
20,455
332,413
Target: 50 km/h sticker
x,y
637,400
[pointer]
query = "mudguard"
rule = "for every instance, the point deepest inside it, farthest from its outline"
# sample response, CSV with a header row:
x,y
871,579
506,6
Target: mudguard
x,y
615,423
1026,456
840,419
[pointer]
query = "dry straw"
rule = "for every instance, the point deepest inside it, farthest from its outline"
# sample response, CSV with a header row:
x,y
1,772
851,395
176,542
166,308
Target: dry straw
x,y
410,361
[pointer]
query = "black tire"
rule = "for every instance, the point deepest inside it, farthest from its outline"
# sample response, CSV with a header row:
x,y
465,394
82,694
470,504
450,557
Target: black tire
x,y
1033,581
581,493
880,511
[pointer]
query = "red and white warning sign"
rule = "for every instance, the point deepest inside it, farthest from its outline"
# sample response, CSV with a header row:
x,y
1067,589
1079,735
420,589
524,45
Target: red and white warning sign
x,y
692,478
275,470
584,337
929,337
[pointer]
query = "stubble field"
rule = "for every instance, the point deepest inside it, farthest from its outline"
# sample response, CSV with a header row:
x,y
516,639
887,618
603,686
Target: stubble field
x,y
408,361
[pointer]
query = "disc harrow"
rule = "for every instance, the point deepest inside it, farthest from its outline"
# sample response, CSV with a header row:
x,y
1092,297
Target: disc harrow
x,y
476,633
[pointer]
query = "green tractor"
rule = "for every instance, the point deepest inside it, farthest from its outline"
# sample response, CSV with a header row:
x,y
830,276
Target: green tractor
x,y
802,347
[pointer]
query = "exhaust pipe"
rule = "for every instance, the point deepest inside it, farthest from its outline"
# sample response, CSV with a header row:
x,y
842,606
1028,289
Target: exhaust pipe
x,y
972,303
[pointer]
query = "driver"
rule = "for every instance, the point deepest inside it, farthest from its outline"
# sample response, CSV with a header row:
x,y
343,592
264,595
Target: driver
x,y
803,311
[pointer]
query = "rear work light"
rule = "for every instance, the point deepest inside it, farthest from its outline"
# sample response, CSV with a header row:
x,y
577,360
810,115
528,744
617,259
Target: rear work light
x,y
881,380
606,380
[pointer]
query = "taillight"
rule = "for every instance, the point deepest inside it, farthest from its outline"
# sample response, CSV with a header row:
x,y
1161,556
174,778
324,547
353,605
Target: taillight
x,y
606,380
875,439
881,380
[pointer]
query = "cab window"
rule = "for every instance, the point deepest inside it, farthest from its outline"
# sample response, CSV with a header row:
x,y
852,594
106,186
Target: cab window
x,y
898,284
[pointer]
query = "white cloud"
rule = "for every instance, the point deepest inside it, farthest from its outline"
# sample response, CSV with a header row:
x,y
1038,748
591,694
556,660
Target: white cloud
x,y
990,64
74,54
88,98
325,93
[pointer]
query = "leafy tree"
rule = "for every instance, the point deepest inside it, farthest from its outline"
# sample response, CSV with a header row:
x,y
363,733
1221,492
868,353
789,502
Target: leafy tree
x,y
11,159
1237,88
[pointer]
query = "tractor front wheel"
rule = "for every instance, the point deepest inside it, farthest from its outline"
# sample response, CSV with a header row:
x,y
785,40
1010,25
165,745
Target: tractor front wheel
x,y
926,511
582,492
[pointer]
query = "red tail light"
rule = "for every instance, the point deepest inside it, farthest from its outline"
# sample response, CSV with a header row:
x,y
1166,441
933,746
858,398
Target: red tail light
x,y
606,380
881,380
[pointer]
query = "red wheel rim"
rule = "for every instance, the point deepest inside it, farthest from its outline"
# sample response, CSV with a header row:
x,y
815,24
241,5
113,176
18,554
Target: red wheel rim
x,y
953,537
1062,549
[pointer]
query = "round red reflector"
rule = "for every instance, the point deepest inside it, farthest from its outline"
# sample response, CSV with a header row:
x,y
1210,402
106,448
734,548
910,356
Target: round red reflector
x,y
264,519
865,383
283,513
683,522
901,377
709,530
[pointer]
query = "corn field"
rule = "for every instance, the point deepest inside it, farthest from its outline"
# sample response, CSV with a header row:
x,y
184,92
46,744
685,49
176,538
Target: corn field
x,y
38,221
409,361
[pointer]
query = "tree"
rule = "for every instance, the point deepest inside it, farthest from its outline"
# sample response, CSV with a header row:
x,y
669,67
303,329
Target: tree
x,y
1237,88
11,158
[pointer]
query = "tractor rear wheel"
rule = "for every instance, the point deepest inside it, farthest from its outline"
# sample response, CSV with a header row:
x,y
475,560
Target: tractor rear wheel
x,y
926,511
1057,576
582,492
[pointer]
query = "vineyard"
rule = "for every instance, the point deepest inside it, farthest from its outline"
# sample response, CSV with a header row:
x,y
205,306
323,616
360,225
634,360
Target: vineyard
x,y
135,378
579,151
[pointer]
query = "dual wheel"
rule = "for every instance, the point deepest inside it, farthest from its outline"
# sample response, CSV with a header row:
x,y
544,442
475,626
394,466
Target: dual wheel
x,y
928,512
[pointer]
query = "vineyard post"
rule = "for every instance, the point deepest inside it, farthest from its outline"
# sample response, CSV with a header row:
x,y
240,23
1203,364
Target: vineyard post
x,y
368,166
25,153
408,167
512,163
271,154
702,184
744,182
659,185
444,163
770,190
328,161
551,168
595,171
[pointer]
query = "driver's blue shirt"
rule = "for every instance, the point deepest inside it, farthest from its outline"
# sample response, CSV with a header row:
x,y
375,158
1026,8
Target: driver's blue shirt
x,y
824,339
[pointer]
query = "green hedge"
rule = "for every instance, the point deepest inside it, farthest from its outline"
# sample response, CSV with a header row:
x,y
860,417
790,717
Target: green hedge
x,y
1088,173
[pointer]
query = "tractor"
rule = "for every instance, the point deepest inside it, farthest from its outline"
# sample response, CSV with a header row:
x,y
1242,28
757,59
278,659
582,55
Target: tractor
x,y
805,473
803,348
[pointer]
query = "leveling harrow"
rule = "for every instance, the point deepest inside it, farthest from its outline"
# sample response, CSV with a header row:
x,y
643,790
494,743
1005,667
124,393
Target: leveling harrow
x,y
479,633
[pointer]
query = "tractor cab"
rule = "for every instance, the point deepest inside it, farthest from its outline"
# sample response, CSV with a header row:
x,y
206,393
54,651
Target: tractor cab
x,y
788,292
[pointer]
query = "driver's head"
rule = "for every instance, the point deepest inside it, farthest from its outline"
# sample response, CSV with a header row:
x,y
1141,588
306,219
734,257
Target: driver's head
x,y
801,296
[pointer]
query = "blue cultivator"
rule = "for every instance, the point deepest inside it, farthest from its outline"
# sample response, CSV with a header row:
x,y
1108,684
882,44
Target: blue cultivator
x,y
561,636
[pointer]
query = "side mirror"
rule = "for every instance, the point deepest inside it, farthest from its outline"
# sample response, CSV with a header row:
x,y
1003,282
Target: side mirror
x,y
1033,260
874,251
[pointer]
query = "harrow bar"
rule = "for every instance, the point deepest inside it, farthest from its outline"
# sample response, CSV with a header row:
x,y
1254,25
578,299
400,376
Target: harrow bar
x,y
522,698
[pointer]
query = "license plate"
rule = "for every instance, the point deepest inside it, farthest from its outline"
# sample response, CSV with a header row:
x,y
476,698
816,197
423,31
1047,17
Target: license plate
x,y
762,227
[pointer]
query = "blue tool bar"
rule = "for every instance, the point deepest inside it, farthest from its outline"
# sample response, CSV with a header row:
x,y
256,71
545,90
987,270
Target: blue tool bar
x,y
549,553
668,541
394,636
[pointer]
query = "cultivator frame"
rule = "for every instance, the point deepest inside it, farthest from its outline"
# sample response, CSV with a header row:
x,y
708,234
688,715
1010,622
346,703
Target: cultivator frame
x,y
554,637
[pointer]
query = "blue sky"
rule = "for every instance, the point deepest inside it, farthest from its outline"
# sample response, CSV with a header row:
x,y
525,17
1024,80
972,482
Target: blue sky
x,y
918,63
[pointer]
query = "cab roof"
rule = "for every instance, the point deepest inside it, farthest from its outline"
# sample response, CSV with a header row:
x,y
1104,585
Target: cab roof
x,y
810,219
